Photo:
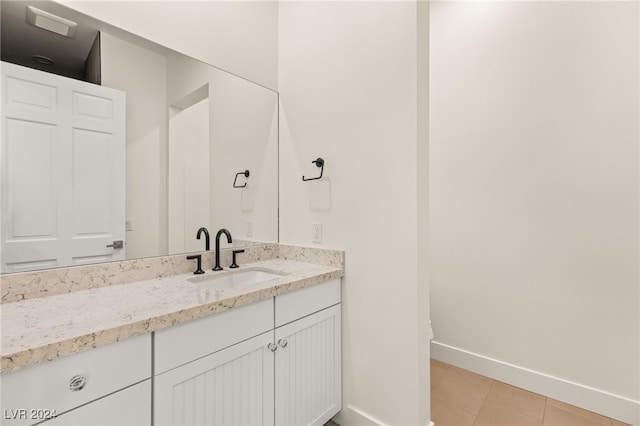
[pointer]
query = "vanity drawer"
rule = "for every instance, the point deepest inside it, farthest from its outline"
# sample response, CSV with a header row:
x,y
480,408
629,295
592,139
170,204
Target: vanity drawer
x,y
128,407
32,394
180,344
303,302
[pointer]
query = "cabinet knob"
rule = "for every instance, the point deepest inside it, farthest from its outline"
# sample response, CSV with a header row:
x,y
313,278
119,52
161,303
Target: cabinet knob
x,y
282,343
77,383
272,347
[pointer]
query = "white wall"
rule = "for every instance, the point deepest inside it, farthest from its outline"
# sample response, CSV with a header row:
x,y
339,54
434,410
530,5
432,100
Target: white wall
x,y
237,36
348,93
244,136
144,81
534,196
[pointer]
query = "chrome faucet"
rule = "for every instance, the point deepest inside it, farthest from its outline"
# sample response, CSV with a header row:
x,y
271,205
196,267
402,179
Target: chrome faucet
x,y
229,240
206,237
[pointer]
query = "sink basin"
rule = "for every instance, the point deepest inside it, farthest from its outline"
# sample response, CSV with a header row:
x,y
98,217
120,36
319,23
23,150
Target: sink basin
x,y
235,279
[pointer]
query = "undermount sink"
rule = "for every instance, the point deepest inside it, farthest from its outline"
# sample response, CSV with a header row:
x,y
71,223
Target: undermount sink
x,y
228,280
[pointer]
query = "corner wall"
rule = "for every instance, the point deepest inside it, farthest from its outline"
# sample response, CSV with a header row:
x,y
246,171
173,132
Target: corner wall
x,y
348,82
535,195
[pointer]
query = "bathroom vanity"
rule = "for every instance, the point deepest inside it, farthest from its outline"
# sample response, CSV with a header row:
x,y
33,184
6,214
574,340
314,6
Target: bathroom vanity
x,y
177,349
275,359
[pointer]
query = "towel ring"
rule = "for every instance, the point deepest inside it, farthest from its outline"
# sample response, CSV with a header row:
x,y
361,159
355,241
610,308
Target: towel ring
x,y
246,174
320,163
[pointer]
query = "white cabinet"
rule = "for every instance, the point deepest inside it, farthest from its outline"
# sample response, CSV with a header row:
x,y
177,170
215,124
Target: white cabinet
x,y
231,387
216,370
308,385
288,375
297,304
180,344
54,388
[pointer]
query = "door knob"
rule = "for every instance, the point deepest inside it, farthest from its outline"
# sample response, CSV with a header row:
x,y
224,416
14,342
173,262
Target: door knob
x,y
117,244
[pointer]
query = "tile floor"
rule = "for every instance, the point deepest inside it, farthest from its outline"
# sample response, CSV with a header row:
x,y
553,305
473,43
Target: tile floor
x,y
462,398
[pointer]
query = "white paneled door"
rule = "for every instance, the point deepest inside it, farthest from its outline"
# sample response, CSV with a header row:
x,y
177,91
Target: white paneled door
x,y
62,170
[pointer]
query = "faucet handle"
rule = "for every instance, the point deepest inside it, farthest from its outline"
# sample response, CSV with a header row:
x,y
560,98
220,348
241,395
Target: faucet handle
x,y
197,257
233,258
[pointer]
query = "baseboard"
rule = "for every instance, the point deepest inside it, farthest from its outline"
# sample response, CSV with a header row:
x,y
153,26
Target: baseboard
x,y
601,402
353,416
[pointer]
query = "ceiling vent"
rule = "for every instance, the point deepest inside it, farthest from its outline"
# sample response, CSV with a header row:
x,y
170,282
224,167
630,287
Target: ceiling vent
x,y
51,22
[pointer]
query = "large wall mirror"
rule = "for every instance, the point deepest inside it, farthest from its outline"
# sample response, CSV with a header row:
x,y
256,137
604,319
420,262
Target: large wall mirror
x,y
198,145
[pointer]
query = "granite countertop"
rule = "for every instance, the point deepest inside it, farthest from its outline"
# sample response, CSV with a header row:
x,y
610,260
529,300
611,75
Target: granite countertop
x,y
47,328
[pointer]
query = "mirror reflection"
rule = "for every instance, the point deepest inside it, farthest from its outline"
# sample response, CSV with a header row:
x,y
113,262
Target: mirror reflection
x,y
111,138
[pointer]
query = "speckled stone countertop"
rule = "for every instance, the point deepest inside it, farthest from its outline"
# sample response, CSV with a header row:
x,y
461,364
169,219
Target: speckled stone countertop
x,y
46,328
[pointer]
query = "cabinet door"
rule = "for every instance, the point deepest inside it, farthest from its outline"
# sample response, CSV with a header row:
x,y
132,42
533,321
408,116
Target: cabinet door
x,y
128,407
233,386
308,369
